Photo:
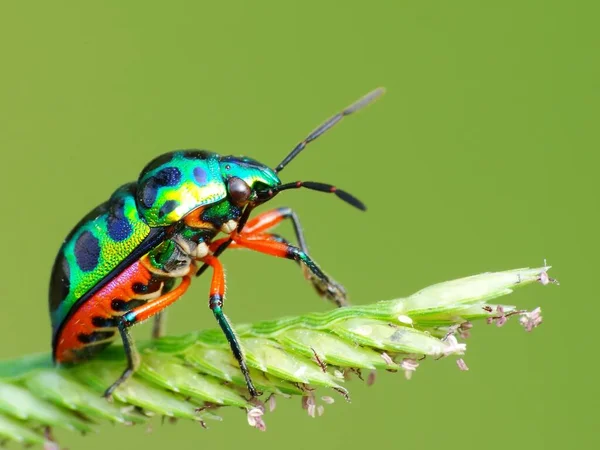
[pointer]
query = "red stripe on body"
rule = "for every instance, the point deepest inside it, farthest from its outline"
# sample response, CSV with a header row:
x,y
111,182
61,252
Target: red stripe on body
x,y
99,305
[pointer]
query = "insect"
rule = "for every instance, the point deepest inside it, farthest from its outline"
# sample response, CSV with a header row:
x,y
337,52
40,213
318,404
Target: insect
x,y
135,254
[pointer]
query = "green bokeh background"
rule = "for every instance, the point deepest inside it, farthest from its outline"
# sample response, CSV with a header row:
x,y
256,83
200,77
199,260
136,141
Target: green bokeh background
x,y
482,156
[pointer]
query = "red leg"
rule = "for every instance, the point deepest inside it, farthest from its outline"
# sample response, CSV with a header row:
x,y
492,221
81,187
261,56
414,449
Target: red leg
x,y
265,222
153,307
140,314
254,236
216,299
269,219
214,245
266,244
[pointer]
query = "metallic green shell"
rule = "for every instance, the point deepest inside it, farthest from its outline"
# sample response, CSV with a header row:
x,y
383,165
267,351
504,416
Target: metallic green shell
x,y
176,183
136,219
96,246
249,170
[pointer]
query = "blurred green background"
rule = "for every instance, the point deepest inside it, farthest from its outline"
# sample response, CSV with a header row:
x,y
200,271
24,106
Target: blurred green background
x,y
482,156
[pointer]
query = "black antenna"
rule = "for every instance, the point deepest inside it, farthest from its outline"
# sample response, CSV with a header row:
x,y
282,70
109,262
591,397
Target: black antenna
x,y
359,104
322,187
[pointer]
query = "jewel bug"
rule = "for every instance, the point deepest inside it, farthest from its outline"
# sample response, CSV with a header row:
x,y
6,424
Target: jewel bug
x,y
135,254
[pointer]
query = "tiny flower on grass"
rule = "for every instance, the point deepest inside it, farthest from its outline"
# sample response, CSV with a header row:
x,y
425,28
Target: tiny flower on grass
x,y
454,347
545,279
271,402
371,378
388,360
502,318
308,399
309,403
531,320
255,419
327,399
464,330
461,328
451,330
49,445
409,366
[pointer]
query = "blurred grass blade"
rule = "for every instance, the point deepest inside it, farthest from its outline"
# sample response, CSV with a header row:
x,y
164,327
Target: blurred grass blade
x,y
191,376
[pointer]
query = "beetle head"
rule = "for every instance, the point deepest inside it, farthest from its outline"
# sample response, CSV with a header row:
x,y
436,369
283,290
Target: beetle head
x,y
248,181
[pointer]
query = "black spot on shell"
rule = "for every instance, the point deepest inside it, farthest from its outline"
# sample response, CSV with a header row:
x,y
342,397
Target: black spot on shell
x,y
104,322
117,208
119,305
95,336
200,175
139,288
167,208
169,176
153,285
148,192
119,229
87,251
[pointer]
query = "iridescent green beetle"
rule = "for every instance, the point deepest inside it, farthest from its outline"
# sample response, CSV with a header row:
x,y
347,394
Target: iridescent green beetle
x,y
135,254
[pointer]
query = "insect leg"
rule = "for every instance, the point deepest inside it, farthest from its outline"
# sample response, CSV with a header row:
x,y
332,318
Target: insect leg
x,y
269,219
159,324
256,229
271,245
133,357
138,315
217,296
152,307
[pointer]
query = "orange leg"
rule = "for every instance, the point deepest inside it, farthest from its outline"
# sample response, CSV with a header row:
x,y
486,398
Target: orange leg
x,y
216,299
255,236
267,221
155,306
214,245
137,315
271,245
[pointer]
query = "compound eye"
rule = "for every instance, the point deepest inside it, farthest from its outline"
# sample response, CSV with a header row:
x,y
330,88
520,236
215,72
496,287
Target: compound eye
x,y
239,191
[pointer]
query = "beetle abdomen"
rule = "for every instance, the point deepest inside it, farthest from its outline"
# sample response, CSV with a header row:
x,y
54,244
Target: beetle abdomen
x,y
93,325
97,244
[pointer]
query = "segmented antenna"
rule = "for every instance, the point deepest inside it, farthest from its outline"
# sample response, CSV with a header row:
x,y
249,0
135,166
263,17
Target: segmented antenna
x,y
322,187
359,104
